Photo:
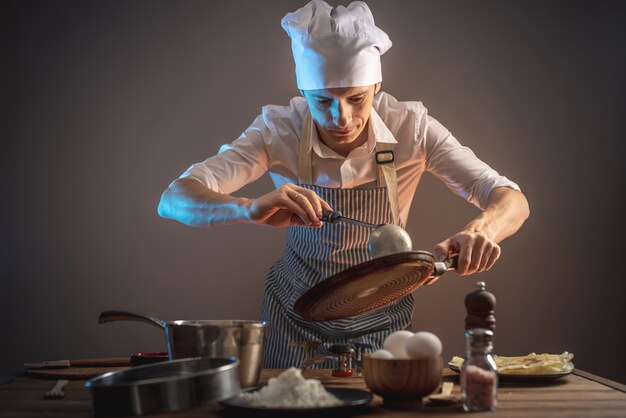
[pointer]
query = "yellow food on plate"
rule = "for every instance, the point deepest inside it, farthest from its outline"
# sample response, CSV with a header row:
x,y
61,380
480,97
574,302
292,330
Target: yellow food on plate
x,y
529,364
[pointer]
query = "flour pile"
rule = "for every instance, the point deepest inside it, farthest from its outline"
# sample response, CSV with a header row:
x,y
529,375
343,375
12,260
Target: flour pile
x,y
291,390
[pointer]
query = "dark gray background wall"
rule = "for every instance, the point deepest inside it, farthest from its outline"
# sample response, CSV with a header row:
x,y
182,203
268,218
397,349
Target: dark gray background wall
x,y
107,102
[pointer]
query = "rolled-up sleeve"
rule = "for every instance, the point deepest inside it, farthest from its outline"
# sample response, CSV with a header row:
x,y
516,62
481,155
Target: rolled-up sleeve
x,y
457,166
237,164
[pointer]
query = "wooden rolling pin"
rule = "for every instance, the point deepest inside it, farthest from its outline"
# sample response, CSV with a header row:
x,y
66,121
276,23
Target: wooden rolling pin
x,y
96,362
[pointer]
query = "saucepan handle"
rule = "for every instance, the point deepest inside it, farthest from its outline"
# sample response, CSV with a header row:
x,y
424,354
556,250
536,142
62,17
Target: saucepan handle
x,y
110,316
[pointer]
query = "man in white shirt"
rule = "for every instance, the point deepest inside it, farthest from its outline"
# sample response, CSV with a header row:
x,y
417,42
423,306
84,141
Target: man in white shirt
x,y
344,145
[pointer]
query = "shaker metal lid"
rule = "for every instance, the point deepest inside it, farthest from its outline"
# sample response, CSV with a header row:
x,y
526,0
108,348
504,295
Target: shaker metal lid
x,y
479,335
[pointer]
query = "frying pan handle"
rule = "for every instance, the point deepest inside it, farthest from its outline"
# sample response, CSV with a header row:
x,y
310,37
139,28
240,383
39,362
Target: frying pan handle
x,y
443,266
449,264
331,216
111,316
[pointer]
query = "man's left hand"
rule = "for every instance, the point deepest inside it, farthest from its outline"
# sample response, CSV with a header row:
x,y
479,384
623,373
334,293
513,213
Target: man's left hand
x,y
476,251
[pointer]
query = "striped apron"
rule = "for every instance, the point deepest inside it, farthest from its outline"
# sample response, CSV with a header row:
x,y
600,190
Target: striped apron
x,y
314,254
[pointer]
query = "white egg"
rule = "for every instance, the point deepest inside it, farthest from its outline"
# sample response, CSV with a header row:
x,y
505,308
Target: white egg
x,y
423,344
382,354
396,343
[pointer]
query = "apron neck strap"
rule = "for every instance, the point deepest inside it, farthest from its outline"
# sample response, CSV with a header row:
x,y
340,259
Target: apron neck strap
x,y
305,171
387,177
386,172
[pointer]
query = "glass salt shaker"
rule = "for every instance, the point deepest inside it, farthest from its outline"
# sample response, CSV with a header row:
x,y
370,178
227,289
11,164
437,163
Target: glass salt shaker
x,y
479,378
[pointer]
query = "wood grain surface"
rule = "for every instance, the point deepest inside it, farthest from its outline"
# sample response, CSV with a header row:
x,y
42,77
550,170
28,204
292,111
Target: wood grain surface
x,y
572,396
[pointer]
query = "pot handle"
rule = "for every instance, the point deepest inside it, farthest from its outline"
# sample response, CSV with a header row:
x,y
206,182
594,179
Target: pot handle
x,y
443,266
111,316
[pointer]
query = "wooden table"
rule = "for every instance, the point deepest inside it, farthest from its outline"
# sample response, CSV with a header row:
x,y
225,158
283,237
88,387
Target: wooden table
x,y
578,395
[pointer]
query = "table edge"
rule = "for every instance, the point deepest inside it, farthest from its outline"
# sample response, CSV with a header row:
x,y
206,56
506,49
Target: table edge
x,y
602,380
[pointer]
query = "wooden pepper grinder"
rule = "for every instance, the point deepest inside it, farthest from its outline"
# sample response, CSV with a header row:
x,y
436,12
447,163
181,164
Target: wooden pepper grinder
x,y
480,306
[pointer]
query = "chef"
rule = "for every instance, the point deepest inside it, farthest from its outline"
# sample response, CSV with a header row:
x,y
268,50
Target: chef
x,y
343,145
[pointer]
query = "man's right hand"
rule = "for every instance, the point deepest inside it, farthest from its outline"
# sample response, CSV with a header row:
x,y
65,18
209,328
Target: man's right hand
x,y
286,206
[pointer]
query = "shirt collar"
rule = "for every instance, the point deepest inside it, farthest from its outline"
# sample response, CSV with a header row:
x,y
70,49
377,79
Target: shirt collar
x,y
377,131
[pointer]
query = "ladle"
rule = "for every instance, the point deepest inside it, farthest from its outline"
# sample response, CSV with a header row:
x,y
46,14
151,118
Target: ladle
x,y
385,238
334,216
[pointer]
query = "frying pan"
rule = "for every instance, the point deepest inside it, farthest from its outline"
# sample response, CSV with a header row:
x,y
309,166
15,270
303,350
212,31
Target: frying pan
x,y
371,285
165,387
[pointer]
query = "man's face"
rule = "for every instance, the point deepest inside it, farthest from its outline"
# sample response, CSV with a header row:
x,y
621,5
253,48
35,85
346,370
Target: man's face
x,y
341,115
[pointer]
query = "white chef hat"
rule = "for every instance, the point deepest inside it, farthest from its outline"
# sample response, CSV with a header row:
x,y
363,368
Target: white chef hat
x,y
335,47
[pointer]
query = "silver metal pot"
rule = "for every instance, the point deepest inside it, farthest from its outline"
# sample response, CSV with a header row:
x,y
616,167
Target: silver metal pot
x,y
165,387
208,338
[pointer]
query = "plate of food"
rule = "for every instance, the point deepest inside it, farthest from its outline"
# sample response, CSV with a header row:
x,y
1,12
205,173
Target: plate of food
x,y
529,368
291,393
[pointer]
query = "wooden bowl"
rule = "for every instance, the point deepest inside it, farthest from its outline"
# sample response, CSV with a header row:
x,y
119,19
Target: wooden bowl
x,y
402,383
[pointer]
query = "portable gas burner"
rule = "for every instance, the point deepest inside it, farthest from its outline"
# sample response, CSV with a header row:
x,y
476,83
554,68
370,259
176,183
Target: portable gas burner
x,y
347,357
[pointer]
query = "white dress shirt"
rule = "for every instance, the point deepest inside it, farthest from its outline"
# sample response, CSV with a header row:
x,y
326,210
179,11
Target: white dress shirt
x,y
422,144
